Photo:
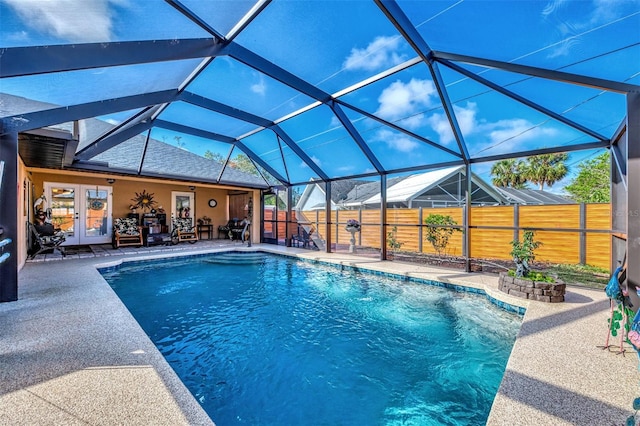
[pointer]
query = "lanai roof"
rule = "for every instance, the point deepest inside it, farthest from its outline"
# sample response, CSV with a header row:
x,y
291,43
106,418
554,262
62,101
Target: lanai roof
x,y
322,90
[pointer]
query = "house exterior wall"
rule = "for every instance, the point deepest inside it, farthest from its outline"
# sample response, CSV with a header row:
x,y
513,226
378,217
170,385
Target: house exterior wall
x,y
24,180
125,188
315,197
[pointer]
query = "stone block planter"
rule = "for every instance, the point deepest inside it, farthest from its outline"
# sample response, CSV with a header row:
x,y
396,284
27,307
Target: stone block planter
x,y
532,290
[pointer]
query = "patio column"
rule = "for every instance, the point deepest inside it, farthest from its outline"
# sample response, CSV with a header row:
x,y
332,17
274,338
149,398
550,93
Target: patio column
x,y
633,190
327,218
8,216
466,219
383,217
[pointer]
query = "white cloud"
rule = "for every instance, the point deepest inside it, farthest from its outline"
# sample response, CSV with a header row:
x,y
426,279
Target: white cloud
x,y
379,54
76,21
260,87
499,136
18,36
314,159
466,117
396,141
404,101
440,125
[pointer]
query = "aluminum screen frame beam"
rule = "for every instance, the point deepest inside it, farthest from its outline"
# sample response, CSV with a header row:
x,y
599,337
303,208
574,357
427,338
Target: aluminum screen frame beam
x,y
633,191
266,67
25,61
346,123
50,117
397,17
107,143
523,100
218,137
399,129
567,148
582,80
194,18
299,152
212,105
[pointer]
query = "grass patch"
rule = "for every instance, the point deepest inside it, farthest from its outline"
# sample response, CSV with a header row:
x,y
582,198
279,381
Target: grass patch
x,y
583,275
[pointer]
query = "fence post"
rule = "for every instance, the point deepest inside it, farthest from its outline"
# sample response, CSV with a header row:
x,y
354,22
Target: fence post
x,y
337,228
583,233
516,221
419,229
327,217
359,221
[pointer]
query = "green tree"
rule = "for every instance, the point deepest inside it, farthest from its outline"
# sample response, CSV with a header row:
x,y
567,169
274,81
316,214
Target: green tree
x,y
243,162
546,168
214,156
508,173
592,184
179,142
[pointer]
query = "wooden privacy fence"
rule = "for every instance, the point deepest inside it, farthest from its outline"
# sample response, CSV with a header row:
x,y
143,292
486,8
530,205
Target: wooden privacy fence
x,y
570,233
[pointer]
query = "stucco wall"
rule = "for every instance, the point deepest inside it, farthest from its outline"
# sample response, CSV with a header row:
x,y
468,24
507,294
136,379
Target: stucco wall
x,y
125,188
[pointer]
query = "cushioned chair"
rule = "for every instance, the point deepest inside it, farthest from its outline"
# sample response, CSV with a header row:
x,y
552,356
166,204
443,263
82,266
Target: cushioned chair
x,y
45,240
184,230
126,232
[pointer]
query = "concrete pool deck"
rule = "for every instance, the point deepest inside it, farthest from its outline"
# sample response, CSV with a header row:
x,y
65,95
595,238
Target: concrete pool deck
x,y
71,353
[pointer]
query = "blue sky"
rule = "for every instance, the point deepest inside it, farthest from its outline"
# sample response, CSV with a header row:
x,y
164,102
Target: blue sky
x,y
336,44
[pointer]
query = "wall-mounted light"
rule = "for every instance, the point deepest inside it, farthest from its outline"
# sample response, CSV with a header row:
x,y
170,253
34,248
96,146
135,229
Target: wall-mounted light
x,y
192,187
110,181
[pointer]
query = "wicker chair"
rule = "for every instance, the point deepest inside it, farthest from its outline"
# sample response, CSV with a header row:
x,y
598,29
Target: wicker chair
x,y
126,232
183,230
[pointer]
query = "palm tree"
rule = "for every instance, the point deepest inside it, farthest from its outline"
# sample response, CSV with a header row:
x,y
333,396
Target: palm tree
x,y
509,173
546,168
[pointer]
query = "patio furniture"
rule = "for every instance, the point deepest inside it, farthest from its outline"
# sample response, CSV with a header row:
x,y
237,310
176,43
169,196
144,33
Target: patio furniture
x,y
233,229
45,237
301,238
184,230
126,232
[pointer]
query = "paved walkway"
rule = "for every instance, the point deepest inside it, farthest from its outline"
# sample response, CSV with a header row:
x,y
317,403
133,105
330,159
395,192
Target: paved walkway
x,y
70,352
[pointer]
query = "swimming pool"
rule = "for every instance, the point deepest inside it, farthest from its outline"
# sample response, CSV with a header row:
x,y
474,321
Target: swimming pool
x,y
261,339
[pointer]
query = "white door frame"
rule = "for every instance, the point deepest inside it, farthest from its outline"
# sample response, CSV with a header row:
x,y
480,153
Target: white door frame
x,y
174,204
81,233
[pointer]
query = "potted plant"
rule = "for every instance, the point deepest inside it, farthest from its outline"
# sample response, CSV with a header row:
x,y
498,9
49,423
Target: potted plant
x,y
525,283
352,226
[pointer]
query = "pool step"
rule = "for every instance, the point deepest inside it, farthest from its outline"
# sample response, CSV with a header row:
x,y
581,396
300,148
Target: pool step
x,y
237,258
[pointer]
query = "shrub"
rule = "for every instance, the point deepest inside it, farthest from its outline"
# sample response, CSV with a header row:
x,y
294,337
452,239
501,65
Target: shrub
x,y
391,239
439,230
523,253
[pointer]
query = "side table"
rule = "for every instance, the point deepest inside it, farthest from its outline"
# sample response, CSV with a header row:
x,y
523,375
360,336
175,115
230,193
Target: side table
x,y
205,228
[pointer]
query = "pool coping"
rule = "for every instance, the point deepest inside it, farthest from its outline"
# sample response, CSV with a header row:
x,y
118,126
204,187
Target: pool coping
x,y
89,347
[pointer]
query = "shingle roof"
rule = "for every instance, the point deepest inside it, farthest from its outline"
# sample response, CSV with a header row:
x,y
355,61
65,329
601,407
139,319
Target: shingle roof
x,y
414,184
160,158
532,196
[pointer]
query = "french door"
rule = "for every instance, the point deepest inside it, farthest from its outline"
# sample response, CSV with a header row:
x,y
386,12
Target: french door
x,y
182,205
83,212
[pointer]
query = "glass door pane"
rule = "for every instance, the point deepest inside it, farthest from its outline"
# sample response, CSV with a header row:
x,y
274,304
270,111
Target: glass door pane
x,y
63,211
96,212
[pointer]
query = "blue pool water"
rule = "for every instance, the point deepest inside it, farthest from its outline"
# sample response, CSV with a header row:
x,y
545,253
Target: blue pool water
x,y
267,340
